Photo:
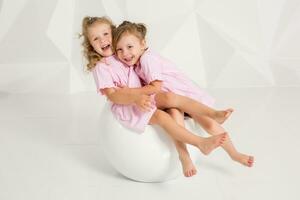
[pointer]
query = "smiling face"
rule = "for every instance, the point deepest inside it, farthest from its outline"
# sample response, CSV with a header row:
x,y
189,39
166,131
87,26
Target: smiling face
x,y
100,37
129,48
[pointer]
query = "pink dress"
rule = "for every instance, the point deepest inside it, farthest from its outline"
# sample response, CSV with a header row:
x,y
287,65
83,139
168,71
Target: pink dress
x,y
154,67
112,74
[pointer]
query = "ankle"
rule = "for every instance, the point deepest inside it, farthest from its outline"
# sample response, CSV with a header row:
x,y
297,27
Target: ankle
x,y
184,156
185,159
216,114
234,156
200,142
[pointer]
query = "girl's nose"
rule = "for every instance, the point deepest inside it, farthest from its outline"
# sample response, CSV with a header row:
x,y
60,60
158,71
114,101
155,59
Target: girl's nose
x,y
101,40
125,53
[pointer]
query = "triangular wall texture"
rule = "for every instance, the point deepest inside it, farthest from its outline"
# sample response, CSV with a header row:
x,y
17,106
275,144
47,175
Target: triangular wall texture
x,y
219,44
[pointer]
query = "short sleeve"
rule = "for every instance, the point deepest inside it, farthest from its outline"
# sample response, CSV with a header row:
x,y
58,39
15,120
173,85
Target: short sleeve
x,y
103,77
151,67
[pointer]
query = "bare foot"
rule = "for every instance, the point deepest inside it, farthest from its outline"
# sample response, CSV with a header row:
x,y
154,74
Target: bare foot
x,y
210,143
222,116
188,167
244,159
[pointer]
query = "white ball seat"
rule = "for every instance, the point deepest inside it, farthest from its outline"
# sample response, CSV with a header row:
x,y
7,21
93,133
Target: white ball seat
x,y
150,156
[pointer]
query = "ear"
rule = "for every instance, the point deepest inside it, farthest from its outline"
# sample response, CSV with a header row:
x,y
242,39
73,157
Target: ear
x,y
143,43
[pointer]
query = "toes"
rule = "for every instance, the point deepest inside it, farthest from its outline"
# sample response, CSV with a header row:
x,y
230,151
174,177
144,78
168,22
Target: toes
x,y
190,173
230,110
194,172
251,158
245,160
250,161
186,174
223,138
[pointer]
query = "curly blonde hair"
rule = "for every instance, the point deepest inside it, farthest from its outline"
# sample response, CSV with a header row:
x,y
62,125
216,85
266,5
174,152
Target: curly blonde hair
x,y
88,51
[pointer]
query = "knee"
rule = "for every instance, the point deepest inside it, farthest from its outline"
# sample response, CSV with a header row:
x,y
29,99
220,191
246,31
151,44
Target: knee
x,y
174,112
209,127
158,116
170,99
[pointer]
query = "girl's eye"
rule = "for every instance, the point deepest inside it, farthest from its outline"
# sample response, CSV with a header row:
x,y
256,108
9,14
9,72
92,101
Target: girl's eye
x,y
129,47
105,33
95,38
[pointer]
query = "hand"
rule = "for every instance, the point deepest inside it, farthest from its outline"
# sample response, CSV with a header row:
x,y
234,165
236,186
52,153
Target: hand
x,y
124,89
122,86
144,103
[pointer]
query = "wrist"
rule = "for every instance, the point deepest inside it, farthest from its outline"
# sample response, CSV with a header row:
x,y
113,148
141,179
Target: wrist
x,y
136,97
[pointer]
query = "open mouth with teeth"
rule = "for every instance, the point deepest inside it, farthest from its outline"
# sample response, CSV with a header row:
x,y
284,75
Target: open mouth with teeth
x,y
106,47
128,59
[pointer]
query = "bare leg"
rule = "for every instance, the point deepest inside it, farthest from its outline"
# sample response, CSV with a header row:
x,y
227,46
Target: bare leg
x,y
205,145
170,100
214,128
188,167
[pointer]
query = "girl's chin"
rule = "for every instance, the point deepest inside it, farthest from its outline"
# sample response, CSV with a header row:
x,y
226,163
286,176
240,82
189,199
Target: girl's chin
x,y
108,53
129,64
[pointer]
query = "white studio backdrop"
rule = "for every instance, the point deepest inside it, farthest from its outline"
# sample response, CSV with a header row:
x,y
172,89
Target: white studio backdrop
x,y
218,43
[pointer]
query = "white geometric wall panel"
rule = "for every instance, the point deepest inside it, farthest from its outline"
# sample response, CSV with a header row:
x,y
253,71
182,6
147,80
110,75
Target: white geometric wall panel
x,y
219,44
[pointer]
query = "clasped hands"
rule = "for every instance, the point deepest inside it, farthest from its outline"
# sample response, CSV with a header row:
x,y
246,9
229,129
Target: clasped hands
x,y
142,101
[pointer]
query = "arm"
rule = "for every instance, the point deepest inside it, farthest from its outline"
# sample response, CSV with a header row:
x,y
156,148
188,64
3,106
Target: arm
x,y
153,88
106,86
118,97
141,100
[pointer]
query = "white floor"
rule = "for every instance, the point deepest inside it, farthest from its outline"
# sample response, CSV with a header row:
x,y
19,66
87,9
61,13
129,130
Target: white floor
x,y
49,150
